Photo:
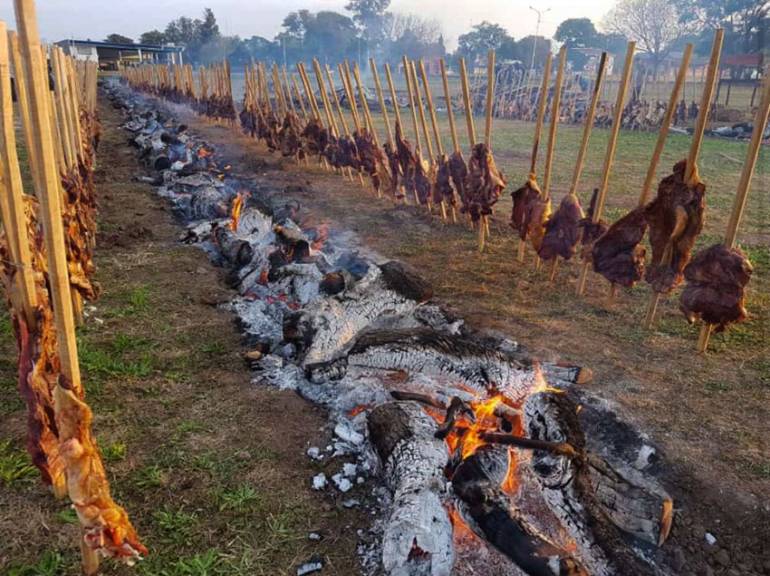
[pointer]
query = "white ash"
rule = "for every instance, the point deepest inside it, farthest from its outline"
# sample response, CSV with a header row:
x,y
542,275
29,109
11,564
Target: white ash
x,y
319,481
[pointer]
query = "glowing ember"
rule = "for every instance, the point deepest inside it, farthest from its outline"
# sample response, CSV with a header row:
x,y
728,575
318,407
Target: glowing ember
x,y
358,409
322,236
235,210
204,153
540,383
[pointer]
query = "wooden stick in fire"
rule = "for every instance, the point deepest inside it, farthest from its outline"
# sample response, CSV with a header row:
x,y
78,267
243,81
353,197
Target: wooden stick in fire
x,y
541,106
587,127
656,154
434,124
551,146
744,184
704,111
610,153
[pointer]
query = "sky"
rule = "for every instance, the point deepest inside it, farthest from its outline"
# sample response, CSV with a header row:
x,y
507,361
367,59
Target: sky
x,y
95,19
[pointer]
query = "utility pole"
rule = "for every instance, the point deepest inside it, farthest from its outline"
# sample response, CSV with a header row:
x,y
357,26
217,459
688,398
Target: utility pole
x,y
537,31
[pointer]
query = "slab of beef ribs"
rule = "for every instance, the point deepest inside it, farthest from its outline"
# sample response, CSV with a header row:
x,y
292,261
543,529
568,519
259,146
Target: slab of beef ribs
x,y
716,279
407,160
248,120
315,137
675,218
395,169
530,213
562,231
592,231
347,153
458,170
371,158
442,186
422,180
485,182
617,254
291,145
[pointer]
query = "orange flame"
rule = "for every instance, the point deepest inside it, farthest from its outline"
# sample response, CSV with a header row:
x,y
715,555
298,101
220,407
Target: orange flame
x,y
235,211
461,532
358,409
204,153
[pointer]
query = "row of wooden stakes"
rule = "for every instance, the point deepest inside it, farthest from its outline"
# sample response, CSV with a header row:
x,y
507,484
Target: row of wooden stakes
x,y
46,246
286,92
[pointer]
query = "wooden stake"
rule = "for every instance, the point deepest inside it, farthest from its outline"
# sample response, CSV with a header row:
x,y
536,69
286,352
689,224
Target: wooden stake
x,y
434,124
695,145
587,127
490,96
12,193
449,111
555,107
367,114
397,111
48,189
541,106
666,125
610,154
467,104
381,98
744,184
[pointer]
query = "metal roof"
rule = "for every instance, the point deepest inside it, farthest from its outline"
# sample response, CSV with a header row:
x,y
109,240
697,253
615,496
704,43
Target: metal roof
x,y
118,46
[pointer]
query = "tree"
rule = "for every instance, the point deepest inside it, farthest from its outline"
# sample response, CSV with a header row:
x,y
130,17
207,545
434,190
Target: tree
x,y
119,39
541,46
654,24
327,35
746,22
155,37
577,33
482,38
369,15
413,36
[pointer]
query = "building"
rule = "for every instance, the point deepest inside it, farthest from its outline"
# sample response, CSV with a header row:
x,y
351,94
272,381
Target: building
x,y
113,56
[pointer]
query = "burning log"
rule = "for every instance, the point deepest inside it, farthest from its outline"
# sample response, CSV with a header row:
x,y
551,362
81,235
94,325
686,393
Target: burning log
x,y
418,533
595,501
477,481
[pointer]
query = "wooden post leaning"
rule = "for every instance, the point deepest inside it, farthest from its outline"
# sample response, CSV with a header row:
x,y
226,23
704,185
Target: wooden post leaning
x,y
609,156
542,103
695,143
587,127
451,117
434,124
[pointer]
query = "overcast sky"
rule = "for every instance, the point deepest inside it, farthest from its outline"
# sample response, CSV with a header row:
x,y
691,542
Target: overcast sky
x,y
95,19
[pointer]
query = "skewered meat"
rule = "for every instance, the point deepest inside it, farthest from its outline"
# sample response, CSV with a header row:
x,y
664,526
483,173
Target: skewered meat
x,y
371,157
592,231
422,181
530,212
562,231
347,153
716,278
442,187
675,218
315,137
407,159
458,170
485,182
289,136
105,524
617,254
395,170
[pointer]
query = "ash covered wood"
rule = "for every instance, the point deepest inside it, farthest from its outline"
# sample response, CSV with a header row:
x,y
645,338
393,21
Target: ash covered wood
x,y
418,534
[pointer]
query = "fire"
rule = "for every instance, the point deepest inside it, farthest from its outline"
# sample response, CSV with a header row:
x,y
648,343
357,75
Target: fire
x,y
461,532
235,210
486,421
321,237
541,384
204,153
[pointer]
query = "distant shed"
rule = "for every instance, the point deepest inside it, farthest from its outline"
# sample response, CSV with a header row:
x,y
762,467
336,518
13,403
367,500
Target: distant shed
x,y
113,56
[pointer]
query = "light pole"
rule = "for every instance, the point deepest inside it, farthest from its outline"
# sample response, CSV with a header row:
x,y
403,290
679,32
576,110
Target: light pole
x,y
537,31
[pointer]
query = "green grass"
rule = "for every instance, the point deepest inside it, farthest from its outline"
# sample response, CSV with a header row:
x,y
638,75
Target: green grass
x,y
51,563
15,465
150,477
114,452
240,499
